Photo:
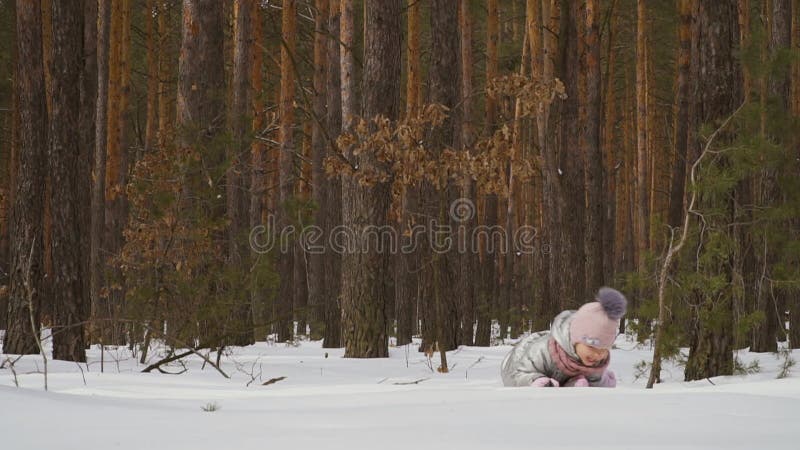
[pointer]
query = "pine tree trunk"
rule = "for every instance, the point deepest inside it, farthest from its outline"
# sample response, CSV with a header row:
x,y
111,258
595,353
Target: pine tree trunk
x,y
488,260
716,95
611,154
71,199
413,83
100,303
681,124
152,58
550,188
287,177
794,307
406,263
9,132
444,63
257,165
795,81
590,138
642,176
467,265
165,87
237,176
570,290
364,297
200,71
27,172
316,260
201,115
117,156
333,195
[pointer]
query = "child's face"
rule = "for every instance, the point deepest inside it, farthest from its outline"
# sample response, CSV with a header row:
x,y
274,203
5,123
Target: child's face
x,y
590,355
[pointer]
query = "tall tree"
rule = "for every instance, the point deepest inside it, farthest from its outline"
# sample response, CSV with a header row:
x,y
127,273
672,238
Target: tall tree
x,y
590,142
406,276
716,94
200,72
610,151
200,120
151,14
681,124
237,176
258,161
333,194
316,268
548,302
487,259
364,271
27,208
444,62
467,266
570,170
642,173
117,154
99,305
69,170
287,176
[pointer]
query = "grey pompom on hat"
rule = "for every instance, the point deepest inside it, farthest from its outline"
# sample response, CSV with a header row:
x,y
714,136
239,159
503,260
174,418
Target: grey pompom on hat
x,y
614,303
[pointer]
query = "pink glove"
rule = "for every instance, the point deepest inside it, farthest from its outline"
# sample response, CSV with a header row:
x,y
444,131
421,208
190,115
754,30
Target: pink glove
x,y
609,379
544,382
579,381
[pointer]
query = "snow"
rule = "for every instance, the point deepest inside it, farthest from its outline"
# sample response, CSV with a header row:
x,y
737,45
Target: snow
x,y
337,403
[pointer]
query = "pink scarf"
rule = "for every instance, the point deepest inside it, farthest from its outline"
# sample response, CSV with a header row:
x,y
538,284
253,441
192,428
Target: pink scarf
x,y
569,366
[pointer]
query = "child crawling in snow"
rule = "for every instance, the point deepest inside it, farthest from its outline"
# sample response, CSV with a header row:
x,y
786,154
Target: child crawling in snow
x,y
574,352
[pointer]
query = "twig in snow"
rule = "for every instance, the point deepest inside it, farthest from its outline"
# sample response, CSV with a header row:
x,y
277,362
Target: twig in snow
x,y
405,383
82,374
478,361
272,381
13,369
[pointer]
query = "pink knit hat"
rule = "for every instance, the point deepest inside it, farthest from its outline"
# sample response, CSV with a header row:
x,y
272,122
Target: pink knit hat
x,y
596,323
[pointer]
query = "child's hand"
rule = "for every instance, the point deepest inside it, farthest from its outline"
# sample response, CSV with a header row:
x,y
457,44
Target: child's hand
x,y
579,381
545,382
609,379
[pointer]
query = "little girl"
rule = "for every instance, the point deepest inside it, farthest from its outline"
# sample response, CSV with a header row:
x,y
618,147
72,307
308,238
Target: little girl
x,y
574,352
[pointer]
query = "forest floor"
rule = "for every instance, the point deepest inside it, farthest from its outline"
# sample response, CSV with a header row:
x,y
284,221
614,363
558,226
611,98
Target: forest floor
x,y
400,402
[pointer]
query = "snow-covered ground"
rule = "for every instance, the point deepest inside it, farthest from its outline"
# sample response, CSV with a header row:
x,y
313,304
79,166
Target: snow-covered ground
x,y
328,402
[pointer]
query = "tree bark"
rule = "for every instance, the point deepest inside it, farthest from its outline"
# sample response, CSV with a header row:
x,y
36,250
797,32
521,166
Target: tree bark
x,y
237,176
287,177
200,71
27,207
363,272
151,14
642,175
488,259
716,94
406,263
71,175
317,288
333,195
165,87
258,164
444,63
467,265
611,152
590,136
117,156
570,170
681,124
99,303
